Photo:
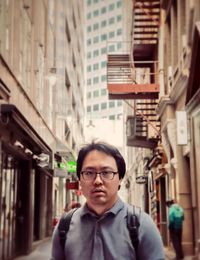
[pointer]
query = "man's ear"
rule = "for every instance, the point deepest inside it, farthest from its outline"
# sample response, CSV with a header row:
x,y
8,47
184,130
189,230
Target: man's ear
x,y
120,181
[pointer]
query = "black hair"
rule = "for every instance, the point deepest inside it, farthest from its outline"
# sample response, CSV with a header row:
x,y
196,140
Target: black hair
x,y
169,202
102,147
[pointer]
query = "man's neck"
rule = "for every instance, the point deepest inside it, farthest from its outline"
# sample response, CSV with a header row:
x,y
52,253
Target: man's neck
x,y
100,209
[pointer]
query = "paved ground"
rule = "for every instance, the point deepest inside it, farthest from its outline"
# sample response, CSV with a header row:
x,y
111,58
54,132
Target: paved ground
x,y
169,255
43,252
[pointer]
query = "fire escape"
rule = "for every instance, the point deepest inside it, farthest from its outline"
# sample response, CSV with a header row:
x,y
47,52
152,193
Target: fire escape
x,y
135,75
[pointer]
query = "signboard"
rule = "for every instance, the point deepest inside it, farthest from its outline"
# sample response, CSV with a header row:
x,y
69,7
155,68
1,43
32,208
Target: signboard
x,y
142,179
64,169
74,185
181,125
71,166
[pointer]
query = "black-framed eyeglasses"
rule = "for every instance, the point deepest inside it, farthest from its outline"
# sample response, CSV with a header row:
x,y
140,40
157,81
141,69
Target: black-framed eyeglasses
x,y
91,175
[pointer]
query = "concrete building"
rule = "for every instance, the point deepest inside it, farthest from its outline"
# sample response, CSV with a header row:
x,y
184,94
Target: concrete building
x,y
163,65
41,81
104,21
178,111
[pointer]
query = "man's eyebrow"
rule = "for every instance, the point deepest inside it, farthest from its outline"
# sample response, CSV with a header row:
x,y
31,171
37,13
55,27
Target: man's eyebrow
x,y
89,168
101,168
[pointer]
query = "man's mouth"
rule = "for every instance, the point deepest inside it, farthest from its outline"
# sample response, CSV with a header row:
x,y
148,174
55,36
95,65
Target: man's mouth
x,y
98,191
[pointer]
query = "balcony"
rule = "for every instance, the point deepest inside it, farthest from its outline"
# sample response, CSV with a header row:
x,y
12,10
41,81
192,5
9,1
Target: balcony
x,y
128,80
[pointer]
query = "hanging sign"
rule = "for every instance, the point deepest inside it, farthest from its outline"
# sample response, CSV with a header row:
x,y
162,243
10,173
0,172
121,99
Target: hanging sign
x,y
72,185
71,166
142,179
181,124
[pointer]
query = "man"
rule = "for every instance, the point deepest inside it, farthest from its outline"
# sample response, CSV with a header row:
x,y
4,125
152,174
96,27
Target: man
x,y
98,230
176,217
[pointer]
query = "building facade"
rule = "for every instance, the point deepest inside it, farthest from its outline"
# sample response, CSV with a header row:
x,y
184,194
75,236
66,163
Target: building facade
x,y
34,105
165,110
178,111
104,23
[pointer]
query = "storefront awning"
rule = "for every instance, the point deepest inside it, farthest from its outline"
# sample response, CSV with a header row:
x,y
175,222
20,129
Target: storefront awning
x,y
22,131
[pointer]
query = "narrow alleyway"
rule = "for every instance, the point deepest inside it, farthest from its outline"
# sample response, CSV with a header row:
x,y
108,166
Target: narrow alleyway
x,y
43,252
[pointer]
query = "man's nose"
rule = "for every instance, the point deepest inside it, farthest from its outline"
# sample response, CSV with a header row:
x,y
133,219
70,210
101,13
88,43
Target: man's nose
x,y
98,178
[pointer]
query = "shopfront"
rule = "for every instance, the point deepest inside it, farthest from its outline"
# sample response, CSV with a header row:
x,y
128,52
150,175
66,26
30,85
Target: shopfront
x,y
25,186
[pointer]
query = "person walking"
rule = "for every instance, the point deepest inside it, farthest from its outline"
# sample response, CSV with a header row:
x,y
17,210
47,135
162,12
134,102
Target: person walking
x,y
98,229
176,218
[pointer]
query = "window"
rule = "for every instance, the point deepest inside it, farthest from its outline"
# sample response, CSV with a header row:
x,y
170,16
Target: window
x,y
111,34
119,103
111,104
119,116
103,91
96,93
95,53
119,4
112,117
103,64
103,10
119,45
103,50
119,18
96,66
89,16
103,23
96,39
88,108
95,80
89,42
111,48
111,7
96,13
103,78
111,20
119,31
89,29
103,37
89,55
88,68
95,26
103,105
67,31
89,82
88,2
89,95
96,107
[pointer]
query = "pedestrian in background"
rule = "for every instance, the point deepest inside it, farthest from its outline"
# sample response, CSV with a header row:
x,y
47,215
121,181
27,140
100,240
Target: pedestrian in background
x,y
98,230
176,218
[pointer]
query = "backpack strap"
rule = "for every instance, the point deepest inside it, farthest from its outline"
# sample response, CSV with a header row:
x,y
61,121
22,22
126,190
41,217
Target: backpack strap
x,y
133,225
63,226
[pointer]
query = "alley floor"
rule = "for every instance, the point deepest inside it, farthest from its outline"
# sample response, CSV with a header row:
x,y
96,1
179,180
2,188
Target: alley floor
x,y
43,252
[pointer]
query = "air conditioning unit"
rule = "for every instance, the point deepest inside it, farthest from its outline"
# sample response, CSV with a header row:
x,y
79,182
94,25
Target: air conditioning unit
x,y
132,124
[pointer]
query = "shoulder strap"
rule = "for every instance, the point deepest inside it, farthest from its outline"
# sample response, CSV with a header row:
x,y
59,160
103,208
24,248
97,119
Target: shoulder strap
x,y
133,225
63,226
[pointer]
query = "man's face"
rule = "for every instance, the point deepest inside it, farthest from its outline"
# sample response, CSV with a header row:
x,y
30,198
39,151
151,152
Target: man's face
x,y
100,192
